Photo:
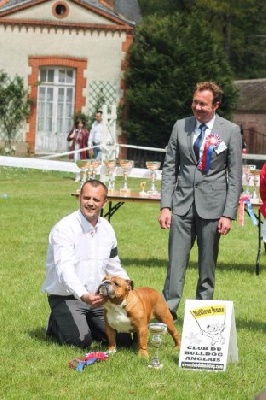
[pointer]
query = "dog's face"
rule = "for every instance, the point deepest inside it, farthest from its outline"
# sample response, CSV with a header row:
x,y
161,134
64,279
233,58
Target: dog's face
x,y
114,287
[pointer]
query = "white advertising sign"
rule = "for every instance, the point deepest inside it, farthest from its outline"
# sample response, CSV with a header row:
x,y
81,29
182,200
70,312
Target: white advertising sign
x,y
209,339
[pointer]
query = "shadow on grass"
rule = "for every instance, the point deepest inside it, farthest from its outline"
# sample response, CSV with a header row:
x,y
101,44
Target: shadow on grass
x,y
237,267
146,262
69,177
38,334
250,325
161,262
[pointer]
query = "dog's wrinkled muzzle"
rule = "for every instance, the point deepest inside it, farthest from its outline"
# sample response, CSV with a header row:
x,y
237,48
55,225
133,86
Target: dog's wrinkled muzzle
x,y
106,289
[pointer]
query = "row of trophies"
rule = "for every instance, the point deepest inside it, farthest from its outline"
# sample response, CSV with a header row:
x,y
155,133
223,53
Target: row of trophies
x,y
88,170
251,178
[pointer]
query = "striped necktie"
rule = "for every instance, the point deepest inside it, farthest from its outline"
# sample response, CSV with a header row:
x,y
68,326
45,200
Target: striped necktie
x,y
198,142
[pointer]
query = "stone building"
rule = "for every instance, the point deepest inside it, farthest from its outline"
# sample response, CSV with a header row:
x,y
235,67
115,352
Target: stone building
x,y
70,53
250,114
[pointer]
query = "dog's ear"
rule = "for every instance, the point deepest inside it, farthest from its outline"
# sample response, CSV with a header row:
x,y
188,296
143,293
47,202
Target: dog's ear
x,y
106,278
130,284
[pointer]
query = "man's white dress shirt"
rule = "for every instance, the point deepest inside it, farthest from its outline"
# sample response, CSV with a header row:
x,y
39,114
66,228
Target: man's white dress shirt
x,y
80,255
207,132
99,134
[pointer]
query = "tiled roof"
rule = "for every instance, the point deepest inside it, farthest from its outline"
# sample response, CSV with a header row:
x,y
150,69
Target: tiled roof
x,y
129,8
7,5
125,9
252,95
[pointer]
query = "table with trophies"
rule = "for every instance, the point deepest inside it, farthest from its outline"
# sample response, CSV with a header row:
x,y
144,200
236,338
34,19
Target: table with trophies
x,y
116,198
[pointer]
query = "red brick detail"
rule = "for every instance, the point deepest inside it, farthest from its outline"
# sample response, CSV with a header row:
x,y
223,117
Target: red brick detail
x,y
36,63
122,139
127,43
124,65
64,8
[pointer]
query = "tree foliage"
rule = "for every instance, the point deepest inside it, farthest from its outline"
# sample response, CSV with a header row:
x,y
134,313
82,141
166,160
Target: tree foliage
x,y
238,25
161,7
15,105
169,55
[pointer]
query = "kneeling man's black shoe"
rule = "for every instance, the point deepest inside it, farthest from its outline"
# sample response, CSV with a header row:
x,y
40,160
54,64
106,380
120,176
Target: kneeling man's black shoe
x,y
173,313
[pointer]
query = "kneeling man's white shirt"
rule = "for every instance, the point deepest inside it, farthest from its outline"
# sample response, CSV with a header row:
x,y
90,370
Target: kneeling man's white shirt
x,y
80,255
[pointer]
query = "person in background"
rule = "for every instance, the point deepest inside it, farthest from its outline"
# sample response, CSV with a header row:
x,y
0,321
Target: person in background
x,y
78,137
201,186
82,250
99,136
263,198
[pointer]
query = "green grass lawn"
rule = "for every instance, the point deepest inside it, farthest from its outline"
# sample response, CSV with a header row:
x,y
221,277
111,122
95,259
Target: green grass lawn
x,y
34,368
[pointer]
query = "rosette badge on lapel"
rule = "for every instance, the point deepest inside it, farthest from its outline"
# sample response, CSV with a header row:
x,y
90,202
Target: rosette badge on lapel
x,y
212,143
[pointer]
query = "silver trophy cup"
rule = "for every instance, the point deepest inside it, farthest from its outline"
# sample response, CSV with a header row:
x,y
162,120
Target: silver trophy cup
x,y
157,329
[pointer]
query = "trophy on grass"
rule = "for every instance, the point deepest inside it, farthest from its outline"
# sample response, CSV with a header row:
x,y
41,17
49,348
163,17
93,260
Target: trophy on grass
x,y
157,329
153,166
83,165
126,166
110,167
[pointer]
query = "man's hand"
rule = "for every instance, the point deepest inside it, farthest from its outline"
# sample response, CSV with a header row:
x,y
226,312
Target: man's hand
x,y
94,300
165,218
224,225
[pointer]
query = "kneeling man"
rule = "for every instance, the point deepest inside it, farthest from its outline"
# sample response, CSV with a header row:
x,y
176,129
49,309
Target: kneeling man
x,y
82,250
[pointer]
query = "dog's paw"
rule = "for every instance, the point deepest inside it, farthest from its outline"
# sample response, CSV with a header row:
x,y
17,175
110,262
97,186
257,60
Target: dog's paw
x,y
112,350
143,353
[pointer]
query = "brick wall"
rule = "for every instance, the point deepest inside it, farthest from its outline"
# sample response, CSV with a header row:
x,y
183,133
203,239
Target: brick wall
x,y
254,130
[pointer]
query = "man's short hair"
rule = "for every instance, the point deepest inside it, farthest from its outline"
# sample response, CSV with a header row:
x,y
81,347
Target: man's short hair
x,y
95,183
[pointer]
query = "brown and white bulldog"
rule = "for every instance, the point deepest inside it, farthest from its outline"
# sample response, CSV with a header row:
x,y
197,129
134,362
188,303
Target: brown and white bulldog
x,y
128,310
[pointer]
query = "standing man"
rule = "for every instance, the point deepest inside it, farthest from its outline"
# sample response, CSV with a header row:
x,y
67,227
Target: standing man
x,y
201,185
99,136
82,250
